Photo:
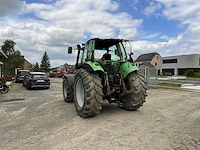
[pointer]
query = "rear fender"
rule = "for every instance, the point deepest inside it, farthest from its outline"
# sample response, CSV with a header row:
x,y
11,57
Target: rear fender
x,y
92,66
126,68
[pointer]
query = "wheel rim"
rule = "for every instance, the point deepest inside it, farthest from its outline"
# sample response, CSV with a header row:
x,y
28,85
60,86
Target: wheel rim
x,y
64,91
5,90
80,93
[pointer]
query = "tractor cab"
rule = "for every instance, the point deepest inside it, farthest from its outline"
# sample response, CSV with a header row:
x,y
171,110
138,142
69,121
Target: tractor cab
x,y
104,49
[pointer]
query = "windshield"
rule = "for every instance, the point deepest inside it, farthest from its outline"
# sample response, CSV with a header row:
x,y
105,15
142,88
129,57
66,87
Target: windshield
x,y
39,76
23,73
114,52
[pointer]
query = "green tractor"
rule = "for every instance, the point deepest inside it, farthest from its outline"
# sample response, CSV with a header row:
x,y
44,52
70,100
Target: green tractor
x,y
104,71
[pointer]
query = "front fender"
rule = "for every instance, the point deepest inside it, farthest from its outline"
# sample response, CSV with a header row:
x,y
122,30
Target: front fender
x,y
70,78
127,68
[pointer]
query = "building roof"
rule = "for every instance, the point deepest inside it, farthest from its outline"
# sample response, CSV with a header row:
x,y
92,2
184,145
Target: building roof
x,y
146,57
1,52
175,56
146,64
27,61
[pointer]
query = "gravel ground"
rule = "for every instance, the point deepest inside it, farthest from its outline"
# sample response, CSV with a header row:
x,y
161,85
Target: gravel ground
x,y
40,119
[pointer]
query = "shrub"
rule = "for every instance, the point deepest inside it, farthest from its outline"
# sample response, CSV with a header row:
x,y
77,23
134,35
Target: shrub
x,y
197,75
192,74
189,73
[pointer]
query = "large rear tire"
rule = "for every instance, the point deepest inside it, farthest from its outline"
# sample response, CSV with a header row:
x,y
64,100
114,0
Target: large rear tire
x,y
88,95
67,91
134,100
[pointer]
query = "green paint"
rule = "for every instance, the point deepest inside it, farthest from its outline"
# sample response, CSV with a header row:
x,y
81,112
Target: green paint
x,y
127,68
95,66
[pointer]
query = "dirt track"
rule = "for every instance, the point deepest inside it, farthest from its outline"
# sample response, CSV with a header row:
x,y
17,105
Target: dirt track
x,y
170,119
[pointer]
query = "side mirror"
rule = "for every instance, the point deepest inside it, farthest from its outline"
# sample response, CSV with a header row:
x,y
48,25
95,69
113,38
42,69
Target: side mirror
x,y
69,50
78,47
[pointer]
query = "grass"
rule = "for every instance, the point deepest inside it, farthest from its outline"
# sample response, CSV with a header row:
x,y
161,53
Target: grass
x,y
167,84
194,79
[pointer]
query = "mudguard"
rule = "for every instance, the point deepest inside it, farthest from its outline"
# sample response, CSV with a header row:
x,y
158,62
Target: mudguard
x,y
70,78
92,66
127,68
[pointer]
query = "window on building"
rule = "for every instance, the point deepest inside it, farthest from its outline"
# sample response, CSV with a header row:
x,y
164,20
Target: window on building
x,y
168,61
155,64
157,57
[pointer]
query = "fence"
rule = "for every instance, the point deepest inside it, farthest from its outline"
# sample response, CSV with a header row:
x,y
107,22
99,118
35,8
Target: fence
x,y
150,75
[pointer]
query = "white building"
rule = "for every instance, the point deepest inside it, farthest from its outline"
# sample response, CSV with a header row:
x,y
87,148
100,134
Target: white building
x,y
177,65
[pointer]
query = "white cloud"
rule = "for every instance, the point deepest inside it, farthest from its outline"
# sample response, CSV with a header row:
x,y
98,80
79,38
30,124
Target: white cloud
x,y
163,48
129,34
135,2
164,37
54,26
187,12
174,41
65,23
151,36
180,9
8,7
153,7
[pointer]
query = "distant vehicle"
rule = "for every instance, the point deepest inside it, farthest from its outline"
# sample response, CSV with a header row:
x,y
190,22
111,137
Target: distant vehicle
x,y
60,74
53,74
20,75
36,80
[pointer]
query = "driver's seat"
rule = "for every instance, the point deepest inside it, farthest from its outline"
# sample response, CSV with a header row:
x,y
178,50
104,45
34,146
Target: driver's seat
x,y
106,56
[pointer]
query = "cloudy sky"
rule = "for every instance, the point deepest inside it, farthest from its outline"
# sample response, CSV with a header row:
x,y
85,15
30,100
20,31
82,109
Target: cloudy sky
x,y
168,27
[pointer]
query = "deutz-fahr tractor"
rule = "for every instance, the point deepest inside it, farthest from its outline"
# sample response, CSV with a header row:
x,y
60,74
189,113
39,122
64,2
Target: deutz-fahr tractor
x,y
104,71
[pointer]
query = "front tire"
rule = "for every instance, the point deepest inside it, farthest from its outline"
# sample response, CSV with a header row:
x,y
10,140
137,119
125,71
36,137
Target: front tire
x,y
88,95
134,100
23,84
28,87
67,91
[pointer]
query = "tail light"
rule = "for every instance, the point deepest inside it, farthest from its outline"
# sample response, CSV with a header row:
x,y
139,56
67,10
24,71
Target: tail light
x,y
47,79
31,79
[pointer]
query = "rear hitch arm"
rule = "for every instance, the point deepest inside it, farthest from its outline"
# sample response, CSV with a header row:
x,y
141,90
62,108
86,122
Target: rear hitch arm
x,y
124,89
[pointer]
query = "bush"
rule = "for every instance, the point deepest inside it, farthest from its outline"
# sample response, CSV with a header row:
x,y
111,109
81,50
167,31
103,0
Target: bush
x,y
192,74
197,75
189,73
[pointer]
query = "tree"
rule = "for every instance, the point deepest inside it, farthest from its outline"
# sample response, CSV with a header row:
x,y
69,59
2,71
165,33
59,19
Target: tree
x,y
36,67
45,63
8,47
15,60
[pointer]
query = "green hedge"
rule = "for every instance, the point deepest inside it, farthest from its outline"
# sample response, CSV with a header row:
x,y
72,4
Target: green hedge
x,y
192,74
